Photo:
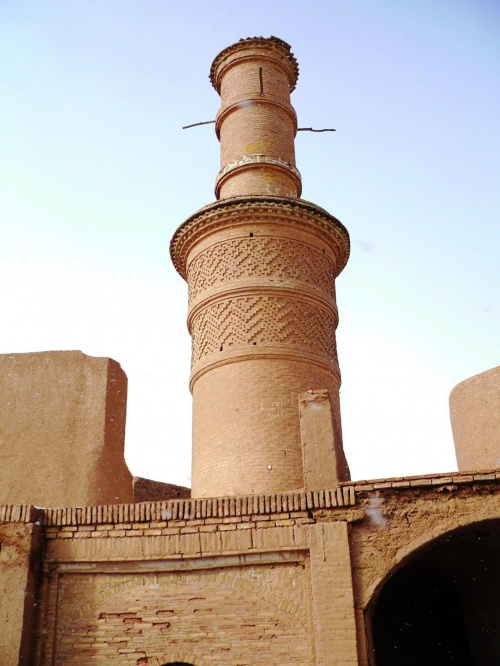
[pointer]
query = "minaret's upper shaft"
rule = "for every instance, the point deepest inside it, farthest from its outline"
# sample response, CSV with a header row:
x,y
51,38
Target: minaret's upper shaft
x,y
256,123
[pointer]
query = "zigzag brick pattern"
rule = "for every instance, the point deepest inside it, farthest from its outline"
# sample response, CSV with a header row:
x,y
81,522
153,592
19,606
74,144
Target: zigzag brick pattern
x,y
260,264
265,257
263,320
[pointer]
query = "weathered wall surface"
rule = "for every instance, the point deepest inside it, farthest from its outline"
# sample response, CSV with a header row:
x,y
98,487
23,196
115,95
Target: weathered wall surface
x,y
62,430
324,459
475,420
288,578
223,581
20,551
147,490
402,516
219,615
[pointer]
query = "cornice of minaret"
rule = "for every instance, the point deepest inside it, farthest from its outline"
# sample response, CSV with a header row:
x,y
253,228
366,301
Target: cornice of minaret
x,y
219,215
260,264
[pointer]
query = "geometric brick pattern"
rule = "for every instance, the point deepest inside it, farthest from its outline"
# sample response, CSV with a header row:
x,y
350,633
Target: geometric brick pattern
x,y
260,264
263,320
262,256
297,213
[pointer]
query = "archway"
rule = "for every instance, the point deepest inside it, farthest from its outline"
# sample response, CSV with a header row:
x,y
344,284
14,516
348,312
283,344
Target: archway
x,y
441,606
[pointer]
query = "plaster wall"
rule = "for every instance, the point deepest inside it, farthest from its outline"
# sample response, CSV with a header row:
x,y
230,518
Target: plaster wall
x,y
62,430
403,517
475,420
20,553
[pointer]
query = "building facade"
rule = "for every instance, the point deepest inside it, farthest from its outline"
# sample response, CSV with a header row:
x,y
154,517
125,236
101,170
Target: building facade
x,y
277,557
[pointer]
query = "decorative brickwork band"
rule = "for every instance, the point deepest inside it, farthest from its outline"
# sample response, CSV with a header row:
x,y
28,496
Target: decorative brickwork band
x,y
228,507
281,178
228,214
200,509
261,267
19,513
263,321
266,257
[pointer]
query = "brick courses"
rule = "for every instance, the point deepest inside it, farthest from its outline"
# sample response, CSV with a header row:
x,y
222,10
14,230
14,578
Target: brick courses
x,y
256,123
115,568
261,267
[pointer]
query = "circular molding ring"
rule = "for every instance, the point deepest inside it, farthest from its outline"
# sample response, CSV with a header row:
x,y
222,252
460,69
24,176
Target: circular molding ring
x,y
275,49
242,210
257,161
246,353
225,111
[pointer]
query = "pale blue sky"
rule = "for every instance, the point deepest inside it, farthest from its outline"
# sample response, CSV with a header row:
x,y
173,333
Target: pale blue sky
x,y
96,174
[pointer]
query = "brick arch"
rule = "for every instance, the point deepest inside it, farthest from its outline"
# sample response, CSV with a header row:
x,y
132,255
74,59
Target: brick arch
x,y
88,607
273,598
150,580
418,545
233,590
439,603
167,658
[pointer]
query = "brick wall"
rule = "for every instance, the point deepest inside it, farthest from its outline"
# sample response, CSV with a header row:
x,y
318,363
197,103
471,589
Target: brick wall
x,y
237,579
222,616
225,580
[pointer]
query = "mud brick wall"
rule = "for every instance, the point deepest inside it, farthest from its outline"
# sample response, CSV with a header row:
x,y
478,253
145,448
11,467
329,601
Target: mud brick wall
x,y
404,515
235,579
219,581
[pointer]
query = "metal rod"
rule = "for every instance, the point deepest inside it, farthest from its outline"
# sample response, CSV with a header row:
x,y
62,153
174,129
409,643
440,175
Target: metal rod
x,y
300,129
310,129
206,122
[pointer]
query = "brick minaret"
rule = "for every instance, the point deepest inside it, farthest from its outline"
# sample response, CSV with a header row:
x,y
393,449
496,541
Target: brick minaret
x,y
260,264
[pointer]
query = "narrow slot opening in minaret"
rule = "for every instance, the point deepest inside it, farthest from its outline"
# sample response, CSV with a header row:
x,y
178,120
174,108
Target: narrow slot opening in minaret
x,y
261,83
251,235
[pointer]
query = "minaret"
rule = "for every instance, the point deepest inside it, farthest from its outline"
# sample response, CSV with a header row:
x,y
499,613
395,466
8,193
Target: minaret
x,y
261,265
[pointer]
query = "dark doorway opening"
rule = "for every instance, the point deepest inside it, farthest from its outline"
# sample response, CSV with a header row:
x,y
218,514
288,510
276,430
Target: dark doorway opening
x,y
442,606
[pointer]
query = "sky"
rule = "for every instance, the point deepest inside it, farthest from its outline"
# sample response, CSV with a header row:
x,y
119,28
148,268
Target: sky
x,y
96,174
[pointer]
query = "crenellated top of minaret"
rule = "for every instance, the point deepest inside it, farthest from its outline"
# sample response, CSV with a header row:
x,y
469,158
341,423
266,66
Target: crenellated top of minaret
x,y
256,124
246,48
